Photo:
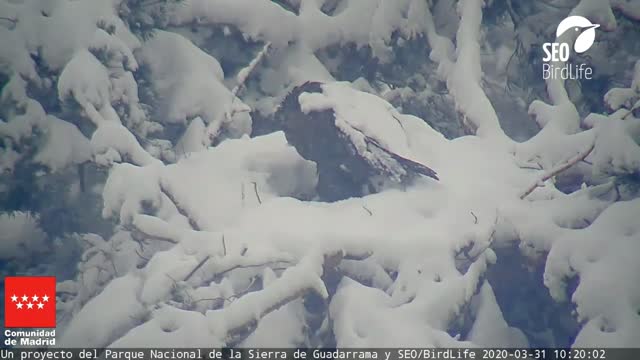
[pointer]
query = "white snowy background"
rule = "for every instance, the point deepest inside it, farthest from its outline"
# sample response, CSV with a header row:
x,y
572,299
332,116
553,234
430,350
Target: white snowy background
x,y
136,165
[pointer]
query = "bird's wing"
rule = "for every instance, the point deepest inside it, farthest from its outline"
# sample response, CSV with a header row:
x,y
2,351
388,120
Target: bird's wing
x,y
404,162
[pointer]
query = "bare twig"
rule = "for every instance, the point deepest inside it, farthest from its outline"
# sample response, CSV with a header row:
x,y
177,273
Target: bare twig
x,y
235,267
140,255
136,232
234,296
397,120
475,218
175,283
224,246
194,225
113,264
186,278
242,193
255,189
558,169
367,210
531,167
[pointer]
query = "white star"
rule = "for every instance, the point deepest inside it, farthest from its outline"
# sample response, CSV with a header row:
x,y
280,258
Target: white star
x,y
14,298
45,298
34,297
29,306
19,305
24,298
40,306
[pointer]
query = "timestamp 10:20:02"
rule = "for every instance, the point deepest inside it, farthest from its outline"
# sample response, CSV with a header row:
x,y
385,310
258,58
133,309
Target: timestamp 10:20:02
x,y
546,353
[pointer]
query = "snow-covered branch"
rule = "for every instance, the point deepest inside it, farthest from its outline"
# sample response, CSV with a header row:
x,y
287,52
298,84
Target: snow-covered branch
x,y
558,169
241,316
241,78
245,72
464,75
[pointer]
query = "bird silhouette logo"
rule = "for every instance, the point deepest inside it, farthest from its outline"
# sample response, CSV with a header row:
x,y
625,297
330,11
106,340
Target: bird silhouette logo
x,y
583,28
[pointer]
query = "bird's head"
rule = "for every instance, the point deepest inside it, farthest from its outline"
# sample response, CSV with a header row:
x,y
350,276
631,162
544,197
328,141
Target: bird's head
x,y
580,29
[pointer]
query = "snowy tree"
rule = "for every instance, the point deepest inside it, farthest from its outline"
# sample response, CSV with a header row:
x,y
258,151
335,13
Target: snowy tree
x,y
149,144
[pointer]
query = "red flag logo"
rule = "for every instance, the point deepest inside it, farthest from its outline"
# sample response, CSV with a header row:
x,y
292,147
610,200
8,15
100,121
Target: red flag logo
x,y
30,302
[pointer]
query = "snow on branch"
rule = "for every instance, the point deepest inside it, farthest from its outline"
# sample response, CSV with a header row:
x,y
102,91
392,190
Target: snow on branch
x,y
243,315
245,72
464,76
241,78
153,228
192,222
558,169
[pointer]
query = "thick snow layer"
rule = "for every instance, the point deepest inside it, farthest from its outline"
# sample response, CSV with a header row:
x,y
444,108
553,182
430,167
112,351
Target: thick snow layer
x,y
99,323
488,329
459,65
625,97
22,125
57,29
290,67
189,82
354,325
261,228
126,189
192,139
608,293
465,75
84,52
248,172
115,137
289,322
86,80
170,328
64,145
242,226
311,25
616,151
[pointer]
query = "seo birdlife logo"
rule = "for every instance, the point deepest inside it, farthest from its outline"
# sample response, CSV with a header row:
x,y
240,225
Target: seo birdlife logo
x,y
583,34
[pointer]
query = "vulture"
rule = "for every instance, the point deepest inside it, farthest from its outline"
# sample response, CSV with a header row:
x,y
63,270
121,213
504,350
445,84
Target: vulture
x,y
356,139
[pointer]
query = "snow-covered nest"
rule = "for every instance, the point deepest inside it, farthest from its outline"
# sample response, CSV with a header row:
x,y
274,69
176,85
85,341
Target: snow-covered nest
x,y
226,222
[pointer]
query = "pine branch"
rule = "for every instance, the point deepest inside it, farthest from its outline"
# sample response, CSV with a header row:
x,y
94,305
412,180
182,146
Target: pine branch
x,y
192,222
245,72
241,78
558,169
244,316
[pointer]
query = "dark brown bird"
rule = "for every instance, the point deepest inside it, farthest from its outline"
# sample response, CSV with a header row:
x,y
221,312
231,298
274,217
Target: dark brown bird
x,y
345,169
